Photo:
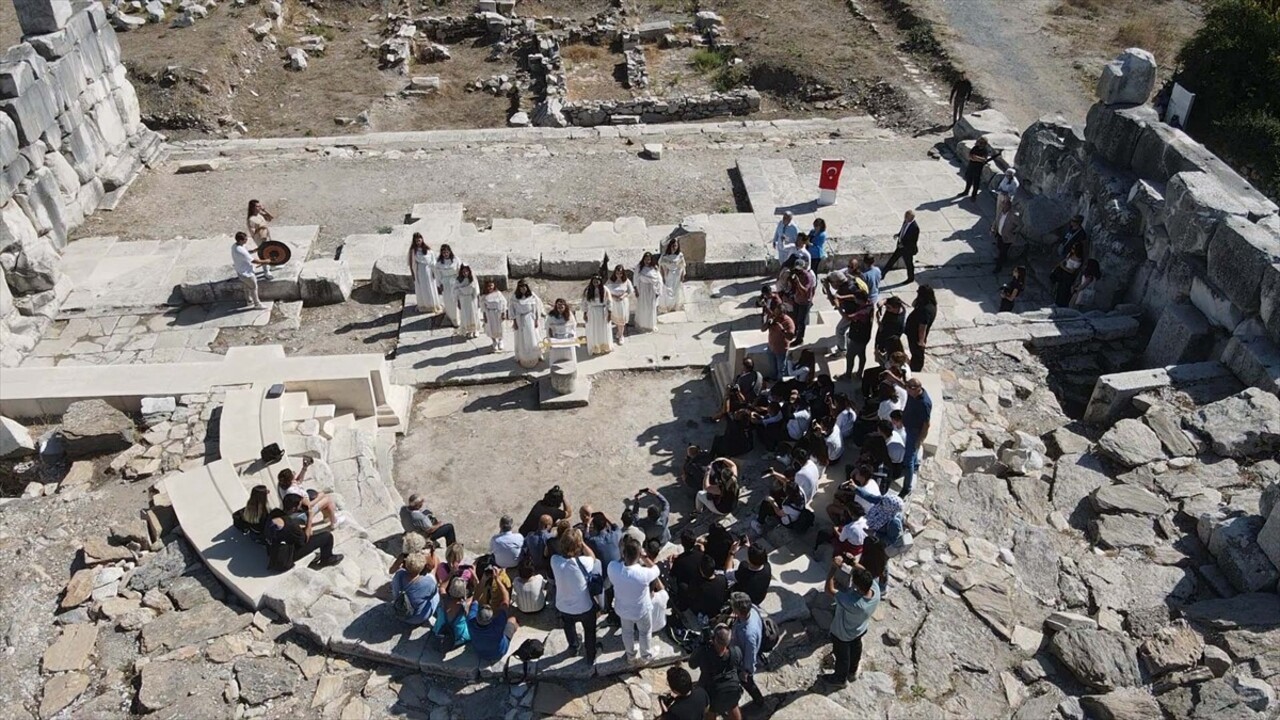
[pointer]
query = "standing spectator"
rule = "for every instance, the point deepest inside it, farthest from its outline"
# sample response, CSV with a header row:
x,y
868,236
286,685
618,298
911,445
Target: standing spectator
x,y
960,92
720,663
872,275
853,610
415,517
684,568
244,263
686,701
1086,285
553,503
803,286
414,593
595,308
861,316
672,265
892,317
493,308
447,267
782,330
572,565
784,238
258,222
1007,187
620,292
1063,276
633,600
422,271
839,286
1074,236
979,155
656,522
1002,230
752,577
1012,290
924,310
908,237
818,244
605,541
915,421
748,634
507,544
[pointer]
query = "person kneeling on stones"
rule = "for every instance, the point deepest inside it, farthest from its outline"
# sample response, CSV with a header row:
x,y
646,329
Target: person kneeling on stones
x,y
414,593
289,537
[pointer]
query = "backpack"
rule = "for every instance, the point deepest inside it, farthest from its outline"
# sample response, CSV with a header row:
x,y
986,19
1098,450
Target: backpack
x,y
595,580
402,606
770,634
530,650
279,549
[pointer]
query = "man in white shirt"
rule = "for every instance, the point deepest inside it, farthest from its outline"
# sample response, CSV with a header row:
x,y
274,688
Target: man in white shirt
x,y
1008,186
784,237
806,477
507,544
632,599
244,264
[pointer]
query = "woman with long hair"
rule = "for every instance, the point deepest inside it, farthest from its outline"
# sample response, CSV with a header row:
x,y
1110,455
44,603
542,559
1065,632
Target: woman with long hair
x,y
422,270
313,501
620,292
1085,289
1064,275
648,291
467,290
596,306
257,222
1012,290
447,266
526,318
493,306
924,310
253,515
672,266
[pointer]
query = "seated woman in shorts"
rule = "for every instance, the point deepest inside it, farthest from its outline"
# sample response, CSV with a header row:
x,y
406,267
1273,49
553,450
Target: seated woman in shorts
x,y
313,501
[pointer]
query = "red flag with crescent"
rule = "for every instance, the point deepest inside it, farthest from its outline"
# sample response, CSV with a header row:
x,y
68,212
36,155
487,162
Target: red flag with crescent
x,y
830,177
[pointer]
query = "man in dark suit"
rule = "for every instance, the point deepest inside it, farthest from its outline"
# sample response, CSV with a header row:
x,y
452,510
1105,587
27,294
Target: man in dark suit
x,y
908,244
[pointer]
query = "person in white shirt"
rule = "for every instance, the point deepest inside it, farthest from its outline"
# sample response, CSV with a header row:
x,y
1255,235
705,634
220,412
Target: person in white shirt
x,y
1008,186
244,264
507,544
806,477
846,415
798,424
784,237
633,599
572,563
892,397
832,441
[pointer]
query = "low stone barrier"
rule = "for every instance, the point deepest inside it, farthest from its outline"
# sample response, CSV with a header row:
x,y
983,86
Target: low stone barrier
x,y
660,110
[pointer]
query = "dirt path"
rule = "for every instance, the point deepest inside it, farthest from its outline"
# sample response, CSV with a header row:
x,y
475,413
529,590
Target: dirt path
x,y
1011,56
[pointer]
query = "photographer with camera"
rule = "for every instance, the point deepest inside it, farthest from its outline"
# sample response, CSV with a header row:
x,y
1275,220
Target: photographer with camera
x,y
553,503
782,330
720,663
656,522
633,600
575,570
686,701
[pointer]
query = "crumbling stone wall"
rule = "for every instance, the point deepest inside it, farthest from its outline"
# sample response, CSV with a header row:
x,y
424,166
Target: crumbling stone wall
x,y
1176,230
659,110
70,140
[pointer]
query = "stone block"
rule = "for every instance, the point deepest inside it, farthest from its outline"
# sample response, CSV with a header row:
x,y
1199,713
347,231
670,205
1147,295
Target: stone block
x,y
15,77
1129,79
32,112
1182,334
41,200
1195,203
1214,304
1050,158
1113,132
653,30
1270,301
984,122
1239,254
37,17
206,285
1253,358
391,276
1163,152
324,282
1240,557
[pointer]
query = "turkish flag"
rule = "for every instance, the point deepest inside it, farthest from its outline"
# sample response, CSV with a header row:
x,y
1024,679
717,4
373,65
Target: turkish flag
x,y
830,177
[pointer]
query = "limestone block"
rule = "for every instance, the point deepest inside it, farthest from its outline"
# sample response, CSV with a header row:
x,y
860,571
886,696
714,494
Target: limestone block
x,y
1270,301
1195,203
8,140
36,267
32,112
84,148
206,285
40,199
127,105
324,282
653,30
391,275
1163,152
1182,335
1239,253
1240,557
1113,132
1244,425
1215,305
69,78
1253,358
15,228
984,122
1269,538
6,297
1128,79
15,77
111,128
37,17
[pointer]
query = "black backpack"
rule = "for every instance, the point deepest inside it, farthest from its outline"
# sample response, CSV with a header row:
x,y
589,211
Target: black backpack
x,y
279,549
530,651
770,634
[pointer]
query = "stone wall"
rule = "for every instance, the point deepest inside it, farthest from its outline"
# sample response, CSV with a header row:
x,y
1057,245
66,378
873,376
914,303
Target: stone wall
x,y
1176,230
71,140
660,110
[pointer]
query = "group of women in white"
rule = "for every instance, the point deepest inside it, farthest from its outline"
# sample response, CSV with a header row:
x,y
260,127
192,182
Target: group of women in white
x,y
443,283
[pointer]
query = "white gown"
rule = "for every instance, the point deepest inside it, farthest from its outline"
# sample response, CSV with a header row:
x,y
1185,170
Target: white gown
x,y
562,329
468,294
620,300
447,274
494,309
526,312
424,282
672,267
649,287
599,330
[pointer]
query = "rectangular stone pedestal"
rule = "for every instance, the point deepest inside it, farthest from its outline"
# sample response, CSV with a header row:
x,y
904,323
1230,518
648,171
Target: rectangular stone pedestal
x,y
549,399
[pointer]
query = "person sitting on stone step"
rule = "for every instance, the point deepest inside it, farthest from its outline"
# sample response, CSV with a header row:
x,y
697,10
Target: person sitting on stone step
x,y
414,593
415,515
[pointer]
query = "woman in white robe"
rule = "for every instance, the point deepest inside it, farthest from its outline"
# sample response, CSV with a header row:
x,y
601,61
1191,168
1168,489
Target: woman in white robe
x,y
493,306
422,269
447,265
561,326
467,291
620,292
648,290
672,266
526,318
596,305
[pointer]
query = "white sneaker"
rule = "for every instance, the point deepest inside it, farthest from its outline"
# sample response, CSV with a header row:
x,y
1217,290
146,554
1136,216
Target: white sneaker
x,y
339,520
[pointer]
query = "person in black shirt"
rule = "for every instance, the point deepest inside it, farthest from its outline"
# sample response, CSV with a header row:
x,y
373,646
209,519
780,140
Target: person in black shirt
x,y
686,702
979,156
684,569
694,470
295,528
721,666
753,577
960,93
893,320
553,504
719,544
924,310
1010,291
710,591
